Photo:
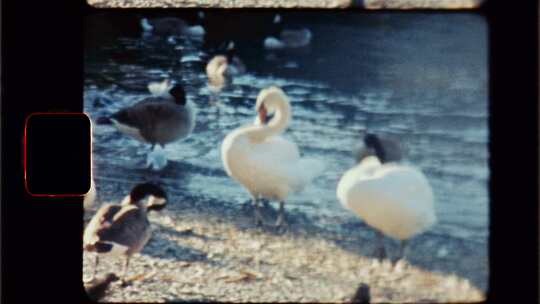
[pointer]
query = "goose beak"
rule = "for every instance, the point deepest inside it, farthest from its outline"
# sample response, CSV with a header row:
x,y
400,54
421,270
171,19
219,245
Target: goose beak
x,y
262,114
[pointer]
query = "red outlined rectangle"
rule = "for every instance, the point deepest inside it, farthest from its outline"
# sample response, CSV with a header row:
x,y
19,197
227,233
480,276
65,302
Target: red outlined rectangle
x,y
25,154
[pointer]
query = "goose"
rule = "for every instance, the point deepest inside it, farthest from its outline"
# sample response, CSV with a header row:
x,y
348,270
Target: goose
x,y
170,26
123,229
264,163
393,198
222,68
158,120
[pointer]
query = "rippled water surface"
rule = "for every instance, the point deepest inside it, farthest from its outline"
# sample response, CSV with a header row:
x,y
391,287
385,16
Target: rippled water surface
x,y
419,78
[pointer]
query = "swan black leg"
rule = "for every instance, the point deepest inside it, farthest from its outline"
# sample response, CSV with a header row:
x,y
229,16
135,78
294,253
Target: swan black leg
x,y
265,203
402,250
280,222
258,215
380,252
124,271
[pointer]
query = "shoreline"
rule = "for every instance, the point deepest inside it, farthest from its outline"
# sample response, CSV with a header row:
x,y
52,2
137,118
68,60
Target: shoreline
x,y
202,249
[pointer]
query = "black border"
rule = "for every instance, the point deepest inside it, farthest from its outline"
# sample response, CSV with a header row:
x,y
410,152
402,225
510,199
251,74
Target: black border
x,y
42,70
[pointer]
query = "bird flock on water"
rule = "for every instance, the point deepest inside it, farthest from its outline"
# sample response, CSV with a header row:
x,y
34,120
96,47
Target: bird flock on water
x,y
392,197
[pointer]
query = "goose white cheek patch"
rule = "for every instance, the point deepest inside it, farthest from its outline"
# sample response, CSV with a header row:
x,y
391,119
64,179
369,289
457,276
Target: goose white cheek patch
x,y
155,201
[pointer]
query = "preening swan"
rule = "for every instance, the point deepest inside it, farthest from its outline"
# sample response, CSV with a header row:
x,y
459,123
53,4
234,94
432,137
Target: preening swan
x,y
123,229
264,163
393,198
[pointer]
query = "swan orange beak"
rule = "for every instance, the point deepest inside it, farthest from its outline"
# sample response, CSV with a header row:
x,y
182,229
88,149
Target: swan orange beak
x,y
262,114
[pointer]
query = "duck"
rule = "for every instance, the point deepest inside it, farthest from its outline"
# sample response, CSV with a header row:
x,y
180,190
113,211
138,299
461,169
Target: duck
x,y
170,26
394,198
123,229
222,68
163,118
266,164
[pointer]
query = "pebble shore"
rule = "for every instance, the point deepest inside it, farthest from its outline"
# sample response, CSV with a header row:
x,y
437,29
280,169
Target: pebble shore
x,y
203,251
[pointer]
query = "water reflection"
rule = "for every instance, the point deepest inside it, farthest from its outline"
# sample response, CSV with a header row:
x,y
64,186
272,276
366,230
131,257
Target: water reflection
x,y
420,78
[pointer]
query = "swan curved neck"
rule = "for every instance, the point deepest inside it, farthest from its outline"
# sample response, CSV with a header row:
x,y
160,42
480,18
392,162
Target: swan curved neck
x,y
281,118
277,125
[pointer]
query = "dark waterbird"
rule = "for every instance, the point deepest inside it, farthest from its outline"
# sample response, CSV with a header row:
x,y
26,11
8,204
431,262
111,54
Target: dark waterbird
x,y
160,119
123,229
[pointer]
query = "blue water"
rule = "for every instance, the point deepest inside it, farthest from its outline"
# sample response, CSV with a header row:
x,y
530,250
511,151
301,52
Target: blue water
x,y
417,77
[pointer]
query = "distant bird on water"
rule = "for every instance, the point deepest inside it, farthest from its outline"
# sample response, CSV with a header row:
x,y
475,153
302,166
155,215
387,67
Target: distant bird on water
x,y
362,294
394,198
170,26
123,229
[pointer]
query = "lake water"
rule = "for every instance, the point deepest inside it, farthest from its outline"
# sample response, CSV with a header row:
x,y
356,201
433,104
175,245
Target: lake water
x,y
421,78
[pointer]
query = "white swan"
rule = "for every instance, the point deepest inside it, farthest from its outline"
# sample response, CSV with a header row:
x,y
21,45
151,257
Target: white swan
x,y
266,164
393,198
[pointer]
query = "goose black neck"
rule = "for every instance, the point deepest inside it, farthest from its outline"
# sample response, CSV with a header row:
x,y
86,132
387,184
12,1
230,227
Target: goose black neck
x,y
372,141
179,95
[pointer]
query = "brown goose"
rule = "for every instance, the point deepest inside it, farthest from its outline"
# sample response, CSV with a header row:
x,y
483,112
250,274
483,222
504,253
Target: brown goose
x,y
160,119
123,229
